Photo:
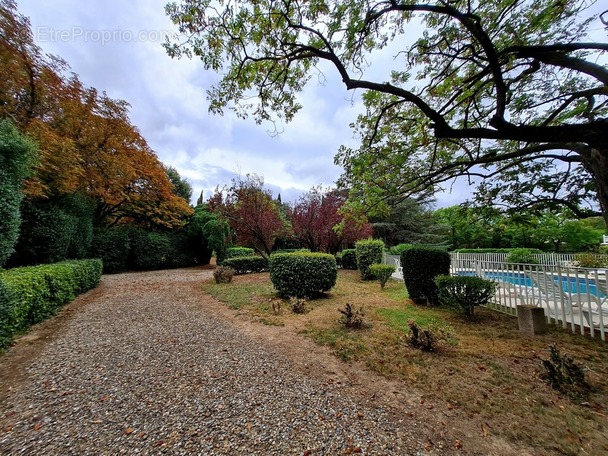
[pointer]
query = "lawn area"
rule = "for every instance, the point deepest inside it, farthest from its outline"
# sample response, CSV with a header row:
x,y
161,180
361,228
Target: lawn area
x,y
485,371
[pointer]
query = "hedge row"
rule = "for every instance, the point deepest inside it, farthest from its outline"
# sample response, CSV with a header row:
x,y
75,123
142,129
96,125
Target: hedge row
x,y
492,250
247,264
235,252
129,248
30,294
303,274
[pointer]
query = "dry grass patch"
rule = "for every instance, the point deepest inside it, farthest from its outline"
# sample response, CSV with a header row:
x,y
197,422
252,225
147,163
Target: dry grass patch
x,y
485,371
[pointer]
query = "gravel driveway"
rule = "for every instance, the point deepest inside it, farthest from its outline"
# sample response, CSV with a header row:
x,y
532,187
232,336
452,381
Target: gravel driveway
x,y
143,367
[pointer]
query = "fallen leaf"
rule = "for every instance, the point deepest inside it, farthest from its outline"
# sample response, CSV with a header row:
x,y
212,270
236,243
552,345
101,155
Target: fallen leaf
x,y
37,426
128,431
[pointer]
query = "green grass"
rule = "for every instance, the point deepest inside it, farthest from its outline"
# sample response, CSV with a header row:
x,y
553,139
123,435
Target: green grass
x,y
241,295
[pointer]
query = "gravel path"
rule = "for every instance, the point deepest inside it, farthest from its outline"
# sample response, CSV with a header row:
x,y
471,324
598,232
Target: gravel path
x,y
145,368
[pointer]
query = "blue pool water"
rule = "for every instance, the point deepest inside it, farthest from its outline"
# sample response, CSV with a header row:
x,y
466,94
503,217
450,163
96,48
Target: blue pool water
x,y
569,284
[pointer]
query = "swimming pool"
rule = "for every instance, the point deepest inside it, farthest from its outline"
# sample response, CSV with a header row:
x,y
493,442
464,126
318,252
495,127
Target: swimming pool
x,y
569,284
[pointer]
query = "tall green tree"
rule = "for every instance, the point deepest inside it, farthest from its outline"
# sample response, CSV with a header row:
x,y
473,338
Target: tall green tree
x,y
17,153
412,222
181,187
506,89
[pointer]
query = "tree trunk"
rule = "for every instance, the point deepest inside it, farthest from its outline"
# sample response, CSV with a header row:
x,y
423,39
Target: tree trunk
x,y
597,164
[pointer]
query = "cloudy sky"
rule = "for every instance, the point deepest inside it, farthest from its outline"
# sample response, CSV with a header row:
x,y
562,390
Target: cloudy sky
x,y
115,46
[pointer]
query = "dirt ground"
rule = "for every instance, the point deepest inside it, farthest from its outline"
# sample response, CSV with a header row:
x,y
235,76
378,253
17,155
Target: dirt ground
x,y
446,431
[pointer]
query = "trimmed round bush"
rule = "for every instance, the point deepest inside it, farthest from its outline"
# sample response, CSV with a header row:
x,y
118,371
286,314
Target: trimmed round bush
x,y
382,272
368,252
464,293
420,267
303,274
236,252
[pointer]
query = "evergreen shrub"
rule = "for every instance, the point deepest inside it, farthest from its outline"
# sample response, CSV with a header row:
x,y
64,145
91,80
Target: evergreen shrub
x,y
382,272
17,153
247,264
112,245
348,259
420,267
303,274
368,252
30,294
235,252
399,249
464,292
150,250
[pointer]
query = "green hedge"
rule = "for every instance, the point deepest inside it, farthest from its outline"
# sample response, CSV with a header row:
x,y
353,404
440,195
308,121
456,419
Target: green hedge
x,y
112,245
17,152
303,274
420,267
236,252
247,264
370,251
347,259
492,250
30,294
399,249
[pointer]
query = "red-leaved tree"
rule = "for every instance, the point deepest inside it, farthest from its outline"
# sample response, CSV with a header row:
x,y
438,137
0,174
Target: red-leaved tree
x,y
252,213
319,225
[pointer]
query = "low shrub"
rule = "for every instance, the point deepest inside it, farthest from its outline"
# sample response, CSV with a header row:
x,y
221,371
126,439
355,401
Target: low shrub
x,y
348,259
247,264
351,317
382,272
564,375
464,292
298,305
590,260
369,251
303,274
486,250
420,267
522,256
28,295
223,274
428,339
237,252
399,248
603,249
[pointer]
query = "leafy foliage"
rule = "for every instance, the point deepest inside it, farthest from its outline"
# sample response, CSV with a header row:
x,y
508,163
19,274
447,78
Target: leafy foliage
x,y
112,245
31,294
464,293
87,143
233,252
489,89
382,272
303,274
247,264
522,256
420,267
252,214
368,252
16,155
348,259
319,224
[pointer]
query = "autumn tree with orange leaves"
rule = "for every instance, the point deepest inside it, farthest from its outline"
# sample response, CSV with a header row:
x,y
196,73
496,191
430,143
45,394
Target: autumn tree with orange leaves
x,y
86,142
